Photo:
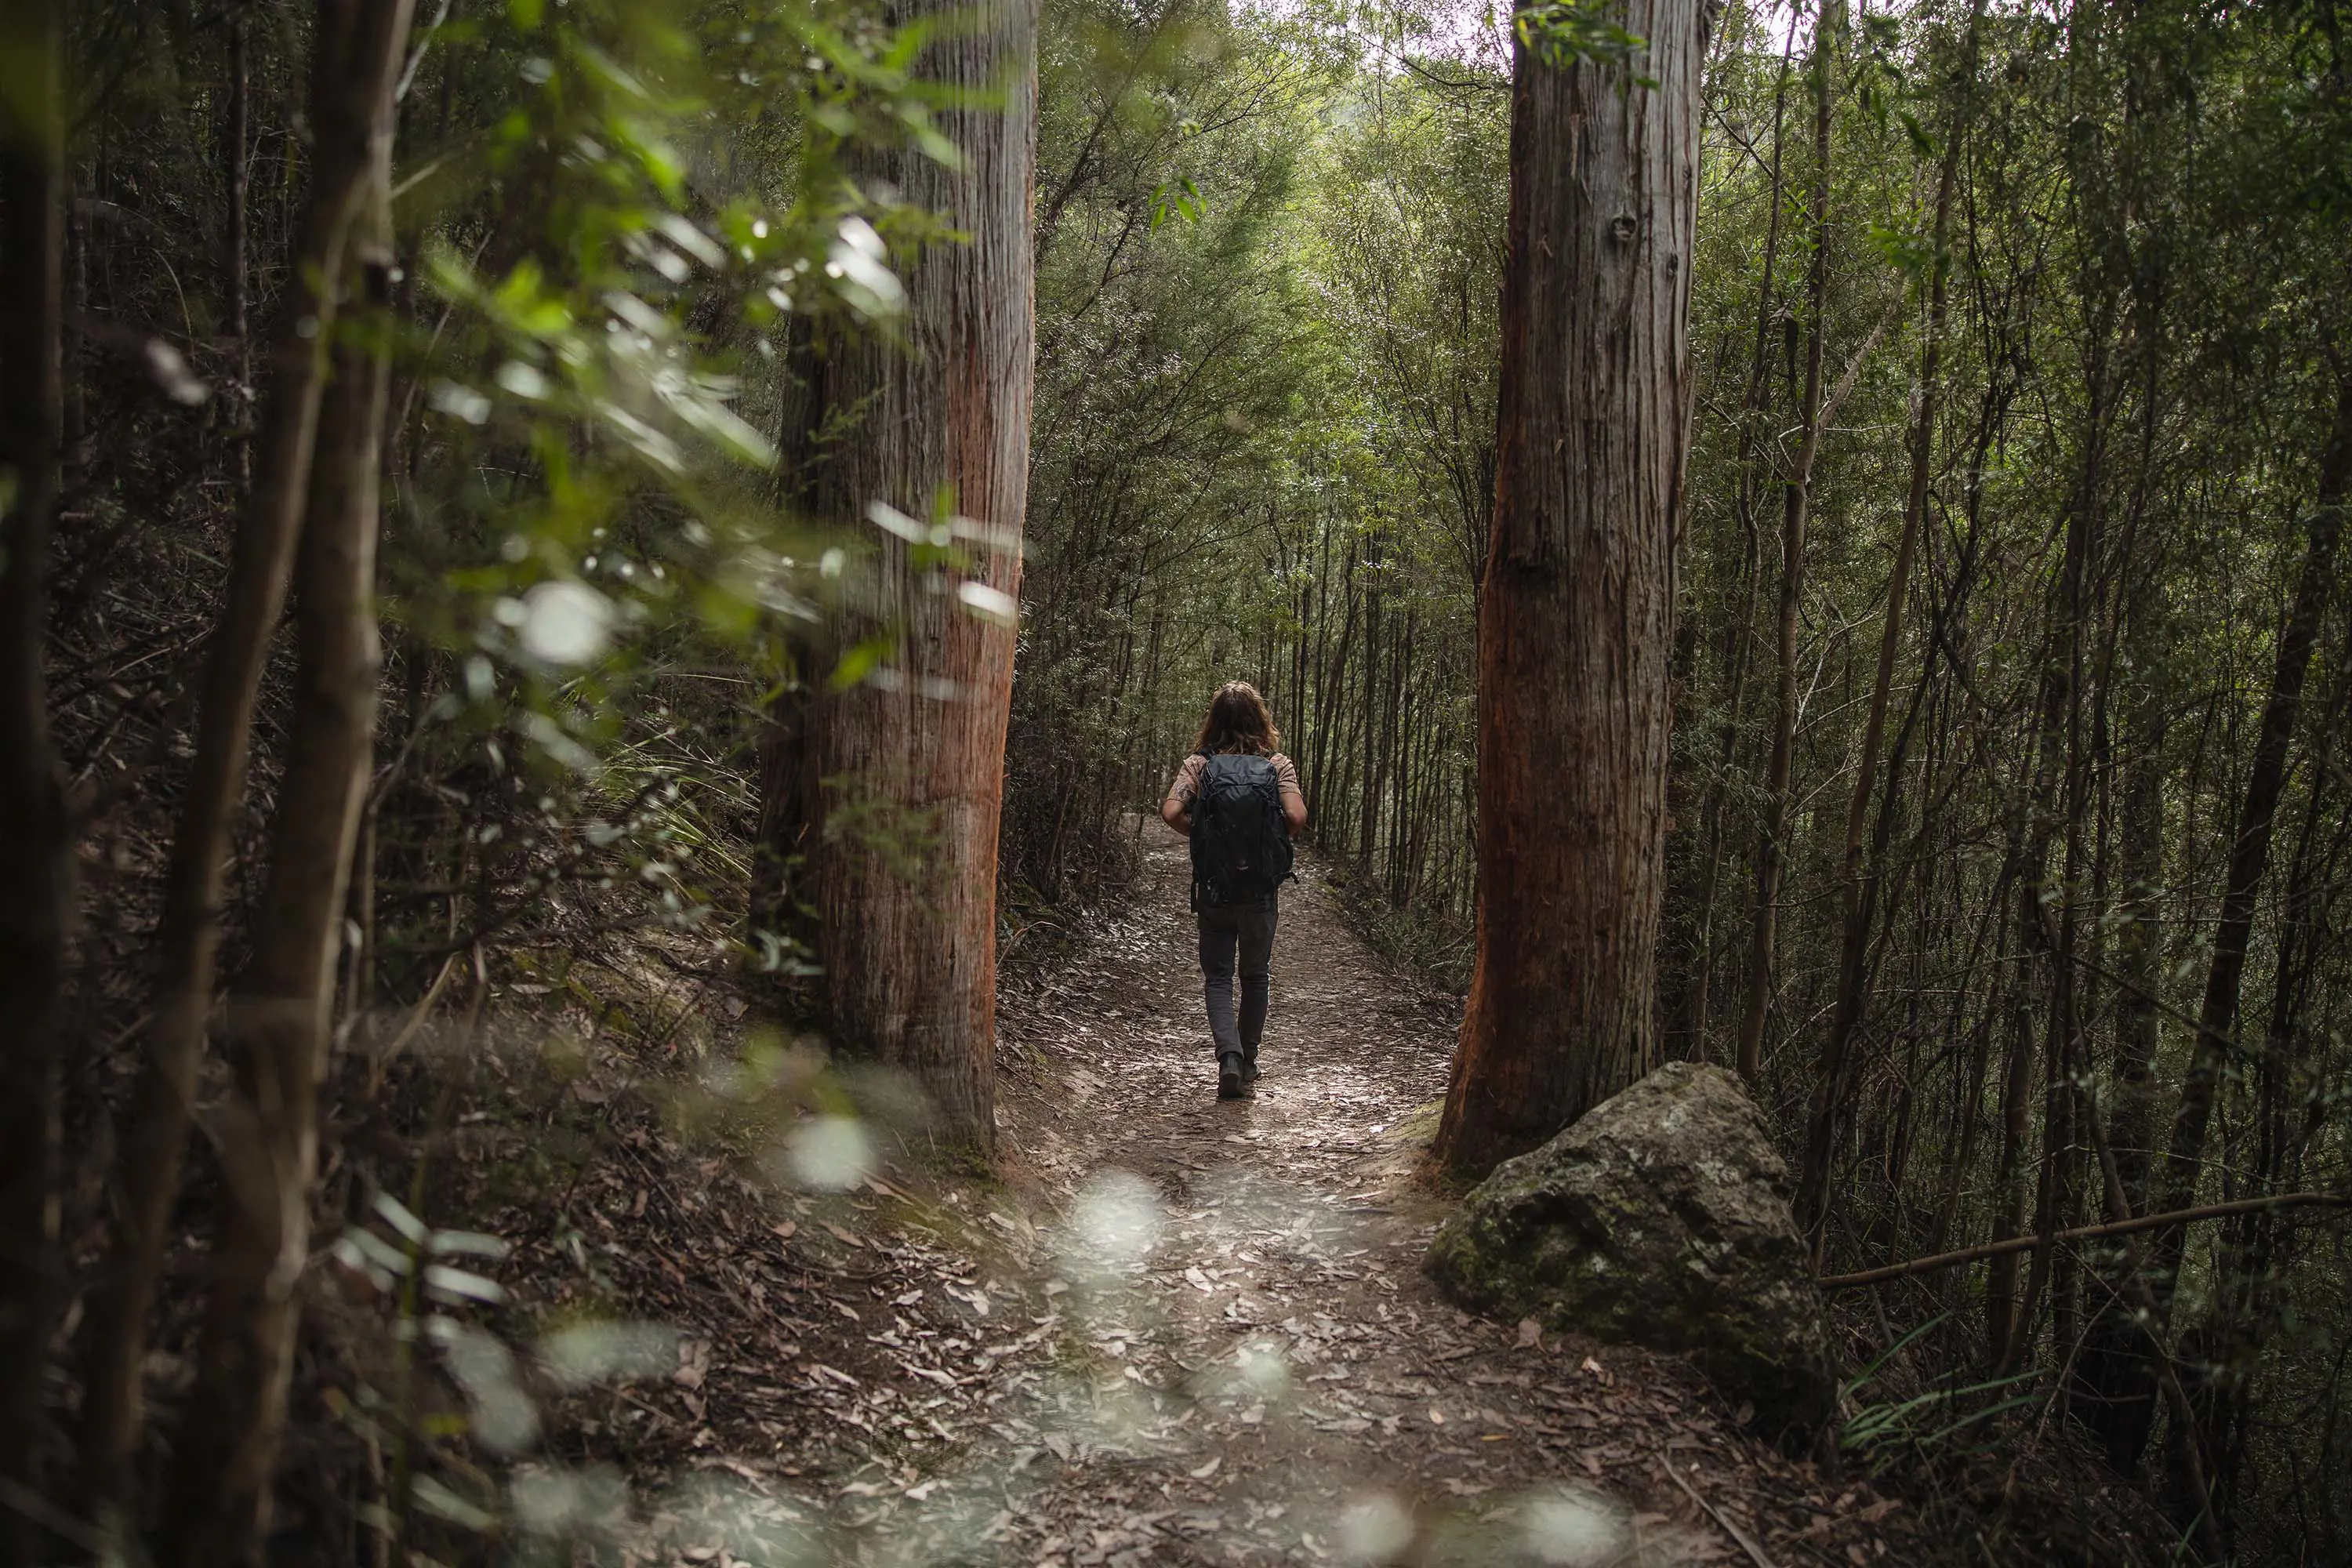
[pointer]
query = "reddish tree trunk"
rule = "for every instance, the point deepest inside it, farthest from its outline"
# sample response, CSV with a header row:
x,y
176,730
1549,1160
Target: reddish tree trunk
x,y
1577,604
938,425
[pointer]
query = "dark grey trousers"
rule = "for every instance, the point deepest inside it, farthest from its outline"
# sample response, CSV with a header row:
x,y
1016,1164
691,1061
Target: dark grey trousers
x,y
1228,930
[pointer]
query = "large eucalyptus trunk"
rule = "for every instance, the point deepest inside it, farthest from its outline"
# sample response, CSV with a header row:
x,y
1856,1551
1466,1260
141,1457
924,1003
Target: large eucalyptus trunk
x,y
1577,603
37,853
885,796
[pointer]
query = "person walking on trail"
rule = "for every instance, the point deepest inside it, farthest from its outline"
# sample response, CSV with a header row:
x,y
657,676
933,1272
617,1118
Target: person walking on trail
x,y
1236,798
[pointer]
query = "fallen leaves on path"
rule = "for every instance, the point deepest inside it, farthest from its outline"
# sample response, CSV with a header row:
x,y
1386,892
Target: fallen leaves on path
x,y
1182,1331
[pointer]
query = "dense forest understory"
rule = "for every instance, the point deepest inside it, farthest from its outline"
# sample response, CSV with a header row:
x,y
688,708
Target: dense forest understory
x,y
596,600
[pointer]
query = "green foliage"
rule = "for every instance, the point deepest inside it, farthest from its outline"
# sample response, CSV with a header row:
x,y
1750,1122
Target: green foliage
x,y
1564,33
1251,423
1265,450
1182,199
625,215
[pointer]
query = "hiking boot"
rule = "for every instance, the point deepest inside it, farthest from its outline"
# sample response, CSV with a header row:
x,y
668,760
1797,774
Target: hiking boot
x,y
1249,1069
1231,1085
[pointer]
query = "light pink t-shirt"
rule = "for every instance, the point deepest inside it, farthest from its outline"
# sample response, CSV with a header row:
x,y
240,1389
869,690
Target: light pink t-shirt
x,y
1187,782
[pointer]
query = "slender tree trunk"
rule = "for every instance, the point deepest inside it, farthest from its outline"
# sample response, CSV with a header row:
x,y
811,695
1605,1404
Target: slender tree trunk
x,y
1332,793
1577,607
2245,1311
2250,842
1968,1088
1298,698
1771,847
942,426
1369,806
358,49
235,268
2293,1090
37,836
1396,777
2051,936
1861,880
2115,1383
2249,856
2006,1300
2203,1525
2016,1080
280,1014
1350,735
1739,637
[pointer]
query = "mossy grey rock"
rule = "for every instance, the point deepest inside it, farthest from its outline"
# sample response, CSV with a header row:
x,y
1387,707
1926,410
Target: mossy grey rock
x,y
1661,1218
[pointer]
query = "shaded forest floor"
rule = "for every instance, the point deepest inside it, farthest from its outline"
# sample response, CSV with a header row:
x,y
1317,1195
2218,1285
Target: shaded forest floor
x,y
1172,1331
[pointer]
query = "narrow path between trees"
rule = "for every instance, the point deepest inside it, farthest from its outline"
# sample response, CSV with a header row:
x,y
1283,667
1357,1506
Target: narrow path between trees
x,y
1283,1384
1179,1331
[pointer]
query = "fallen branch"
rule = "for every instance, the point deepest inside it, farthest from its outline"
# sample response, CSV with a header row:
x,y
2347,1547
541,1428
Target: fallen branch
x,y
2080,1233
1746,1541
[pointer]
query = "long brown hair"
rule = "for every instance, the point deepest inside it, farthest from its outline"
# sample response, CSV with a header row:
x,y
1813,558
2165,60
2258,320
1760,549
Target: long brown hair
x,y
1238,721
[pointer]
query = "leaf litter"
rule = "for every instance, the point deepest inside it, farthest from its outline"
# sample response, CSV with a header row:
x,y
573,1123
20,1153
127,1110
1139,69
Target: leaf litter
x,y
1176,1331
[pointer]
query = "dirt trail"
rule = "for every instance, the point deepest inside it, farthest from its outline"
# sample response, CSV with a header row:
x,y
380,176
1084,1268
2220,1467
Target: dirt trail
x,y
1294,1390
1236,1357
1181,1332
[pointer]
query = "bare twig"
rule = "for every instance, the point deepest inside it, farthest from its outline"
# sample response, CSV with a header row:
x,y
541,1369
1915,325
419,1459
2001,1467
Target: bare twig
x,y
384,1059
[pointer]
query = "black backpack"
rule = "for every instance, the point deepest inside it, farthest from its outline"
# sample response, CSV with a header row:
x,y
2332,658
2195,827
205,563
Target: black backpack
x,y
1241,840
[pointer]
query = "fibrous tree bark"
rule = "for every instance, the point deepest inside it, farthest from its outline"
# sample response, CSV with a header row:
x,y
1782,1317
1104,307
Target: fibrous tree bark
x,y
1577,602
937,428
280,1014
357,54
37,851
